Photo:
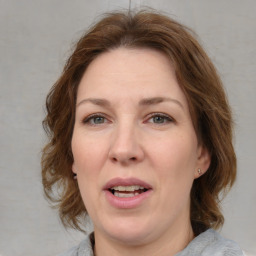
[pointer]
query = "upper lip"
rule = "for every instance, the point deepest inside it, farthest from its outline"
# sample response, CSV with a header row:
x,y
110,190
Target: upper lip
x,y
126,182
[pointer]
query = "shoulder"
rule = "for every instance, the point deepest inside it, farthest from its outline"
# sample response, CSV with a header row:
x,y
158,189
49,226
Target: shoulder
x,y
85,248
70,252
211,243
221,246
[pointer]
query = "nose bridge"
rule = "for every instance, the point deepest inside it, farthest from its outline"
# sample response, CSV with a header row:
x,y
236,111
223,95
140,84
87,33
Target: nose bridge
x,y
125,146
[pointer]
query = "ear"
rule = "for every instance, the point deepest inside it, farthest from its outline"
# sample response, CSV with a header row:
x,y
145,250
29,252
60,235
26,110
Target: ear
x,y
203,161
74,169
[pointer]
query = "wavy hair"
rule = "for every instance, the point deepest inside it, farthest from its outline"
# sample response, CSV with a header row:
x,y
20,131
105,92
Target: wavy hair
x,y
200,83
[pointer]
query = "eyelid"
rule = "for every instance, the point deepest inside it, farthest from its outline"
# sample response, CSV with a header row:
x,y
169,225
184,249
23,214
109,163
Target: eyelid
x,y
87,119
168,117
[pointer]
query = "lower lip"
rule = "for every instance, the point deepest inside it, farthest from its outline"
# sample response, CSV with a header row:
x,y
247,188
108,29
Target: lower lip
x,y
127,202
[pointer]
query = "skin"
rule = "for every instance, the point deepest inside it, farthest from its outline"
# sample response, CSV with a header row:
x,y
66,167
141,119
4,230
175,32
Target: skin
x,y
131,136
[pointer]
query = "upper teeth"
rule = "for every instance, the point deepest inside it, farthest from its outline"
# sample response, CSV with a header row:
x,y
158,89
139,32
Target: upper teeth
x,y
127,188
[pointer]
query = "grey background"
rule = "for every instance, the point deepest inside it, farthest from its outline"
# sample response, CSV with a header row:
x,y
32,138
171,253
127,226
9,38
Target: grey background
x,y
36,38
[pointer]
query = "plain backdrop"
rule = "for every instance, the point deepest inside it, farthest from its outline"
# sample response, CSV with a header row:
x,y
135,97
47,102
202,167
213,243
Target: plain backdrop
x,y
36,37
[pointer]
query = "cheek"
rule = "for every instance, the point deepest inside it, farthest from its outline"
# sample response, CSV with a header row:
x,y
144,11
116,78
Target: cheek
x,y
88,153
175,162
86,159
86,163
178,163
175,155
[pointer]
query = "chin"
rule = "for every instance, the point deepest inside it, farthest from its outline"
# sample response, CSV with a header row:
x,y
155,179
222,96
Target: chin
x,y
132,238
130,232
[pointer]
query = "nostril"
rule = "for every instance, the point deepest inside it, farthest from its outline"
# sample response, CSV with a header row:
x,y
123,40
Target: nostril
x,y
123,160
114,159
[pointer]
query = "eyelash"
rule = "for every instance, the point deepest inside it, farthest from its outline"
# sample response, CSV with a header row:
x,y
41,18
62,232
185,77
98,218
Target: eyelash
x,y
166,118
88,120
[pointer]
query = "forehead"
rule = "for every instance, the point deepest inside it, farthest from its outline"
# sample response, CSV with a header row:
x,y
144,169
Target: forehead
x,y
133,73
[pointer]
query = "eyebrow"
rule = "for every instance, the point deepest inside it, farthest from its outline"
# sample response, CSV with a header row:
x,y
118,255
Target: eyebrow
x,y
157,100
143,102
95,101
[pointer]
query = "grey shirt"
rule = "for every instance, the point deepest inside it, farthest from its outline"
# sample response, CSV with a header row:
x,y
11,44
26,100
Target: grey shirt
x,y
208,243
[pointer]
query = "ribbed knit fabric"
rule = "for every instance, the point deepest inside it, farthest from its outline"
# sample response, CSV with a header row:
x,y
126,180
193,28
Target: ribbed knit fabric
x,y
209,243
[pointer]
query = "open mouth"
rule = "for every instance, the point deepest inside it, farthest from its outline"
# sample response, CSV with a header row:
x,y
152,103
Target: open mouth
x,y
127,191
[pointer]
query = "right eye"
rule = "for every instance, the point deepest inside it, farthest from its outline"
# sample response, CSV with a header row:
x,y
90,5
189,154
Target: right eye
x,y
95,120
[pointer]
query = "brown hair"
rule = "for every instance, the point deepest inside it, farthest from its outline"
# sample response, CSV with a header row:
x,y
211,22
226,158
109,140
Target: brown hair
x,y
197,77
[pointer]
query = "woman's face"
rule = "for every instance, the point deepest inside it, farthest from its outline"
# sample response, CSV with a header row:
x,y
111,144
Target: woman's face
x,y
135,150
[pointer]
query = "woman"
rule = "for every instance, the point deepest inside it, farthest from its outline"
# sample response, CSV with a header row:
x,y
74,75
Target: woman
x,y
140,139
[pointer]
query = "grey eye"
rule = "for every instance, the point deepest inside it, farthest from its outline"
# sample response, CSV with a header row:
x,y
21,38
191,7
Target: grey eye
x,y
95,120
98,120
159,119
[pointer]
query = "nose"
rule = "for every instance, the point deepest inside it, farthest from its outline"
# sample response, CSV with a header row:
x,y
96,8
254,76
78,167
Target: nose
x,y
126,147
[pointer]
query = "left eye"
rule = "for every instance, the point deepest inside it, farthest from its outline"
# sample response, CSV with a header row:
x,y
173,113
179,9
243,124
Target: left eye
x,y
95,120
160,119
98,120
